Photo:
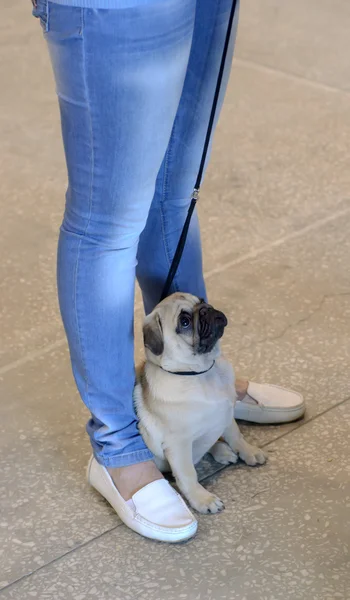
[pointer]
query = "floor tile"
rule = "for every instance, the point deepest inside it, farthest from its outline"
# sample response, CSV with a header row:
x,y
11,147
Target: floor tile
x,y
289,317
275,215
284,535
306,39
46,506
280,163
288,326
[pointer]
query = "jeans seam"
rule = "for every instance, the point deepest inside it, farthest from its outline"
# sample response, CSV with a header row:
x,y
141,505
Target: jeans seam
x,y
125,454
43,16
90,123
164,195
81,345
202,79
81,22
122,457
47,28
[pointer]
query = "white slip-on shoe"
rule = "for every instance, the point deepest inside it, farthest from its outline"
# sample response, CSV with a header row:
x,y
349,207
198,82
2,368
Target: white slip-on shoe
x,y
156,511
269,404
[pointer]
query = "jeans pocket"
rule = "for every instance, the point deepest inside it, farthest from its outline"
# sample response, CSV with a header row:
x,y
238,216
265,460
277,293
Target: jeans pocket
x,y
41,12
59,20
64,21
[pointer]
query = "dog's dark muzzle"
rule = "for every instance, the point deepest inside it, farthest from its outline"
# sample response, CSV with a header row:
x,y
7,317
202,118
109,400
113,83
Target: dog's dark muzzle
x,y
210,327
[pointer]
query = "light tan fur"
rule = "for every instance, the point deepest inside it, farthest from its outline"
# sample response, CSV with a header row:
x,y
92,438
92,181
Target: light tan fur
x,y
183,417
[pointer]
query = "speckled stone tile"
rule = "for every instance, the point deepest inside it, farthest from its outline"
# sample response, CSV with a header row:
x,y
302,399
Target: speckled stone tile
x,y
283,536
279,162
309,39
280,165
47,507
32,186
289,315
288,326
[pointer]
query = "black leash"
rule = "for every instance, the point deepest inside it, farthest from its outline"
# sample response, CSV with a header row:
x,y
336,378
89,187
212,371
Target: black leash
x,y
181,244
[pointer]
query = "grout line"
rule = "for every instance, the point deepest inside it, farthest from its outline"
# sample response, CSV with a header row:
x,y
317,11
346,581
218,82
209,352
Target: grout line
x,y
292,76
58,558
219,470
31,356
285,433
236,261
279,242
37,353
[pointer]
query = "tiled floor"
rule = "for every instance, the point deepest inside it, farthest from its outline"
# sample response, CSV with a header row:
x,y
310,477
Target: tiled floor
x,y
275,214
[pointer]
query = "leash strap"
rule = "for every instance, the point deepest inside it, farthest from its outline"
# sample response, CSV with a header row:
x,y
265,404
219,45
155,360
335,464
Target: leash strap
x,y
182,241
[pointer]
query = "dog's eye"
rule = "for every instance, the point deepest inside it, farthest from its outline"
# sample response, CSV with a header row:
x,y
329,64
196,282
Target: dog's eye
x,y
185,320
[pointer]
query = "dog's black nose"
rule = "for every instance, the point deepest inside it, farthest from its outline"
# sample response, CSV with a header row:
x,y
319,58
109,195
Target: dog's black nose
x,y
220,318
208,314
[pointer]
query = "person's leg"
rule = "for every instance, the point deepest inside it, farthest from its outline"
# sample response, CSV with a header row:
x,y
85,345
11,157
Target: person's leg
x,y
256,402
180,166
119,76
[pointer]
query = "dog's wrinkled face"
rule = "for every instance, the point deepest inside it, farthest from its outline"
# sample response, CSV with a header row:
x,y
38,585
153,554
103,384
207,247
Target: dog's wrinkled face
x,y
181,330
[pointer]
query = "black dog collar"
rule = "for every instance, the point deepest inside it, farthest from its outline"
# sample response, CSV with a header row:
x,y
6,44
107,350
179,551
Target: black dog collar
x,y
191,373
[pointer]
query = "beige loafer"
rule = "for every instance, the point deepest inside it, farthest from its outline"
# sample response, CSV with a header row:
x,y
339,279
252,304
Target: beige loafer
x,y
269,404
156,511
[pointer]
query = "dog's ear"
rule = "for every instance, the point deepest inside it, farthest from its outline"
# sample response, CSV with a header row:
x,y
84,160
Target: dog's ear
x,y
153,335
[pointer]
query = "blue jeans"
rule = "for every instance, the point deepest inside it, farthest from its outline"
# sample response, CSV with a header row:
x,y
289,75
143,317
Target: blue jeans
x,y
135,88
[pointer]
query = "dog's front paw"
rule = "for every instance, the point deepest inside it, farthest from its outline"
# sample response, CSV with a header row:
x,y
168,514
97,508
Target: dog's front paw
x,y
252,456
205,502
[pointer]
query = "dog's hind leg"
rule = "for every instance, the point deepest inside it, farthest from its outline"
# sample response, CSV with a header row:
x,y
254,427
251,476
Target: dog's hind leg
x,y
222,453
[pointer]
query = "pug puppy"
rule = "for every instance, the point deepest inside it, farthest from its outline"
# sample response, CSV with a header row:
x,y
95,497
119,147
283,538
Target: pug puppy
x,y
185,396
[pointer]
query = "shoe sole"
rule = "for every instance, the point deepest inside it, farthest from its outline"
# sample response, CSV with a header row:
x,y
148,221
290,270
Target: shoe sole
x,y
268,416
